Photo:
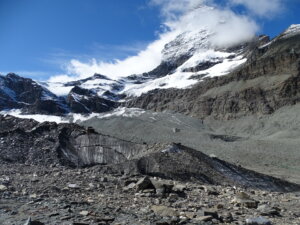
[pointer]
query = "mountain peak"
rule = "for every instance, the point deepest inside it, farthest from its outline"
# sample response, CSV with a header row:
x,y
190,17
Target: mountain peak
x,y
13,76
291,31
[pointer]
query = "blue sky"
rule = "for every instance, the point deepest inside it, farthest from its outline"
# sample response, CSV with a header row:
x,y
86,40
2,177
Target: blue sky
x,y
38,38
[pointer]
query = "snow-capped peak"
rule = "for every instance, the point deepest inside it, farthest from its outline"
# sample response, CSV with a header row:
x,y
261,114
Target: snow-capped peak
x,y
186,60
291,31
186,44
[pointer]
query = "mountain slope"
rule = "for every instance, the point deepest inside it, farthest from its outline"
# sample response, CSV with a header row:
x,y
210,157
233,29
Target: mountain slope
x,y
268,81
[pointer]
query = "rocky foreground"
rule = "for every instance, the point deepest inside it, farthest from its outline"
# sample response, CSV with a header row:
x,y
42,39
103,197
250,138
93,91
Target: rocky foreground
x,y
67,174
58,195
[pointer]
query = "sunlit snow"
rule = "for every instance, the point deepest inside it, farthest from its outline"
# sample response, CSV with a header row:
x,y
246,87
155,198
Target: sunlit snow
x,y
74,117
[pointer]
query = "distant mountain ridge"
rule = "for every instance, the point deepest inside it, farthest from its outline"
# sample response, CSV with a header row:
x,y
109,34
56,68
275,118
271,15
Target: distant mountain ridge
x,y
191,67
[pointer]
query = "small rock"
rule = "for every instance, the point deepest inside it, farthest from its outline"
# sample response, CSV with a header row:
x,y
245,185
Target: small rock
x,y
84,213
103,179
227,217
266,210
162,187
176,130
220,206
66,217
129,187
33,196
190,215
243,195
258,221
91,185
173,197
243,199
54,214
3,188
164,211
203,218
106,219
73,186
179,188
31,222
212,213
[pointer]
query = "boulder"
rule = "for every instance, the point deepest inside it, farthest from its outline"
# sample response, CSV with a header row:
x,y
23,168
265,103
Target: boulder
x,y
162,187
266,210
244,200
144,183
203,218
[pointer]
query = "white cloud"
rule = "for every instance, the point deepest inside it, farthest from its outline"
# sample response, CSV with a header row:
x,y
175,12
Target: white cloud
x,y
171,8
228,28
179,16
262,8
144,61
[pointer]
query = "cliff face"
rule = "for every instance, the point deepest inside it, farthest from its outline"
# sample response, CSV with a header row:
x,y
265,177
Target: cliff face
x,y
268,81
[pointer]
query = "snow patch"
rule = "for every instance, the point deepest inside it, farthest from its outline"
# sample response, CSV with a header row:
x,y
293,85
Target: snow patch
x,y
205,56
38,117
291,31
182,80
74,117
7,91
58,89
123,112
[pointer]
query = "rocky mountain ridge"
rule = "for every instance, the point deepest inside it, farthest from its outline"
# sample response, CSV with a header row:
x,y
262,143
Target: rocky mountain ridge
x,y
268,81
190,57
189,80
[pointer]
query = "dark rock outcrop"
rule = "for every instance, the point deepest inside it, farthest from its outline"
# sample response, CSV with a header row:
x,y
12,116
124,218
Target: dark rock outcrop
x,y
167,67
82,100
79,82
23,93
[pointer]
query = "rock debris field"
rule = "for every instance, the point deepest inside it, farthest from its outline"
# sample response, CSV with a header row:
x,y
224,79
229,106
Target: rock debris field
x,y
58,195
